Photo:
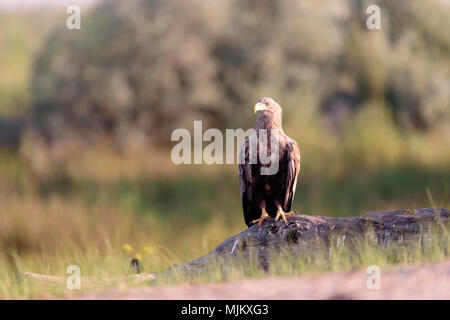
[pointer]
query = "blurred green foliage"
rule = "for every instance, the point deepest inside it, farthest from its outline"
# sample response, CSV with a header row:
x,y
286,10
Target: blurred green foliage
x,y
14,66
21,36
149,66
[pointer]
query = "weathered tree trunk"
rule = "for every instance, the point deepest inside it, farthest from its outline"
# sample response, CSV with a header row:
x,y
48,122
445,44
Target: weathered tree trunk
x,y
304,234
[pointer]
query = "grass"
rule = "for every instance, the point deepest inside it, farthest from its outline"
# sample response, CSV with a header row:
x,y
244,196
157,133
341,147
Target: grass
x,y
109,264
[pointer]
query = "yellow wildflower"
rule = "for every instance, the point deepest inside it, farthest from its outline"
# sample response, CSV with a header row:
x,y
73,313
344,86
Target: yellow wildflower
x,y
127,248
148,250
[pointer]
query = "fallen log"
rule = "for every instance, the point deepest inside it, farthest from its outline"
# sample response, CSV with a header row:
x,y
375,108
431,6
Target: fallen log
x,y
88,281
306,234
303,235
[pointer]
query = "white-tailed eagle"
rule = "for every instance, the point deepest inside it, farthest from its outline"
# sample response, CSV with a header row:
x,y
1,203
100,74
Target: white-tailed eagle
x,y
268,195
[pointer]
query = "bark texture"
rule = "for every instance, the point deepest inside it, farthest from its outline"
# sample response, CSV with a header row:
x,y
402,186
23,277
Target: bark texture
x,y
305,234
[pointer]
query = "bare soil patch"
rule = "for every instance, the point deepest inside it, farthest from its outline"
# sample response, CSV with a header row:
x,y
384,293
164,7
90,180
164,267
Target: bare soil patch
x,y
425,281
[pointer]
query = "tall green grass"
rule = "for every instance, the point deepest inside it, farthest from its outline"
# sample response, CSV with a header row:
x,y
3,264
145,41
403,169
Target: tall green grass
x,y
110,271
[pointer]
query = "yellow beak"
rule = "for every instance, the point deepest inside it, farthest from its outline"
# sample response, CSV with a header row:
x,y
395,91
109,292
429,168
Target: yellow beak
x,y
260,107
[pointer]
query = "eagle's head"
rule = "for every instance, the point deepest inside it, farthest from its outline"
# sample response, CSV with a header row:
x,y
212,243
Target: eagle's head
x,y
269,113
267,105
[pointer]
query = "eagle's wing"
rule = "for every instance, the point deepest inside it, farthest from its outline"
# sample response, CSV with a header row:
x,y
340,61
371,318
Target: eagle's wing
x,y
293,169
246,180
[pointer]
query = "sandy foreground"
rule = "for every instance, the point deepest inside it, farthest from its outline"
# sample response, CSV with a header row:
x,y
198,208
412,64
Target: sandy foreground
x,y
426,281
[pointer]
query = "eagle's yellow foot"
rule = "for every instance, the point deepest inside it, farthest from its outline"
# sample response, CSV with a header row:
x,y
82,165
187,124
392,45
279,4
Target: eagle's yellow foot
x,y
282,214
263,217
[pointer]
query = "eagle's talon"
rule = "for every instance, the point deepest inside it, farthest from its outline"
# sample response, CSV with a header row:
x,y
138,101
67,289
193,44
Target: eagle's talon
x,y
261,219
282,214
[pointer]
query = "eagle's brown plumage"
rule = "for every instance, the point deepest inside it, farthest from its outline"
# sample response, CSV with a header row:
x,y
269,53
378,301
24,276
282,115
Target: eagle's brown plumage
x,y
268,194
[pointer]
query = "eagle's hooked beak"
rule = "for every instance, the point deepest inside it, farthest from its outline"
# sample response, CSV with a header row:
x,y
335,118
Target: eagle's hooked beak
x,y
260,107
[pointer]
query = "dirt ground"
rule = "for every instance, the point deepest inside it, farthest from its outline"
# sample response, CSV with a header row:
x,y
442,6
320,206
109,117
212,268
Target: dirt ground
x,y
426,281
